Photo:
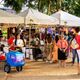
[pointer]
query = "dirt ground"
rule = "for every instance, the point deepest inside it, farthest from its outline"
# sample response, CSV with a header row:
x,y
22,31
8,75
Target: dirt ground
x,y
42,71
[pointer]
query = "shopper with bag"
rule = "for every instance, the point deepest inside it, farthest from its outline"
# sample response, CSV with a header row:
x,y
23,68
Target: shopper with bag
x,y
74,51
77,38
18,42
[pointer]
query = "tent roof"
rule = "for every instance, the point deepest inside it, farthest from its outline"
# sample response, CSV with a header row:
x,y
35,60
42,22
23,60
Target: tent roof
x,y
66,18
6,17
37,17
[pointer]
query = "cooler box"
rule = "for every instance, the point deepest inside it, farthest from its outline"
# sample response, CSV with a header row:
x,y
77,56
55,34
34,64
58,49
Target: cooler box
x,y
14,58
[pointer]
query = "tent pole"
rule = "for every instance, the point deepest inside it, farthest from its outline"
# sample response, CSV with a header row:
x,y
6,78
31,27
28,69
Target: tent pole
x,y
45,37
29,35
8,32
59,19
30,31
31,55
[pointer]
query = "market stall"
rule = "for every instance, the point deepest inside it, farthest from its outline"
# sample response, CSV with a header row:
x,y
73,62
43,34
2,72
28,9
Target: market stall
x,y
9,20
32,17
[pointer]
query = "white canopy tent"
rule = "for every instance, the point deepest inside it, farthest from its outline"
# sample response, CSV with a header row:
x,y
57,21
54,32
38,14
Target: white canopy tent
x,y
35,17
66,18
9,18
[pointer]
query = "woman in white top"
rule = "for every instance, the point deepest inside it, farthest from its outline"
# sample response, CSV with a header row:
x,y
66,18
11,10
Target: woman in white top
x,y
19,44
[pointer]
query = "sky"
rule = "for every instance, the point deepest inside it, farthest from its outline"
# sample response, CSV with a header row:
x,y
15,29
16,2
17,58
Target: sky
x,y
8,9
2,6
1,3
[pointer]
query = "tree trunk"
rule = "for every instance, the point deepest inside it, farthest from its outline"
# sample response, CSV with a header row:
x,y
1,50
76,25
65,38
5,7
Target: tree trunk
x,y
49,7
39,4
58,4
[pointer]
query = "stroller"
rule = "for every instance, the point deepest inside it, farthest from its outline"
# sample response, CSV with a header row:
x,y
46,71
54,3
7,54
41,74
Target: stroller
x,y
37,54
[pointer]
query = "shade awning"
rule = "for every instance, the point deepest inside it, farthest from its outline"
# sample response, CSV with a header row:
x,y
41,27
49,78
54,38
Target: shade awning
x,y
66,18
6,17
35,17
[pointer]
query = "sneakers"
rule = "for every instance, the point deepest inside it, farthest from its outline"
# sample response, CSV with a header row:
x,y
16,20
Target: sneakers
x,y
50,62
47,61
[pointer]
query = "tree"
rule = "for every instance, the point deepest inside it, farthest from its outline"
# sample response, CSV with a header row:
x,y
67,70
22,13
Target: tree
x,y
46,6
15,4
71,6
77,9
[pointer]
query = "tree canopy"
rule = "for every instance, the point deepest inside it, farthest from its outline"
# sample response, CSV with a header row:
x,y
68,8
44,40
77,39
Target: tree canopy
x,y
46,6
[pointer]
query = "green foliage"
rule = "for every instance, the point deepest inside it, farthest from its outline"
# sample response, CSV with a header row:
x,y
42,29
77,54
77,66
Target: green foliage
x,y
46,6
15,4
77,9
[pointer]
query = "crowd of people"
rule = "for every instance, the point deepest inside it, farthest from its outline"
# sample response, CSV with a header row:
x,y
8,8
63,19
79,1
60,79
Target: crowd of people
x,y
54,48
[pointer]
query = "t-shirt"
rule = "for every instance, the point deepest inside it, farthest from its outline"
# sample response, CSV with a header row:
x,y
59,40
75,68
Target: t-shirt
x,y
42,42
19,42
78,40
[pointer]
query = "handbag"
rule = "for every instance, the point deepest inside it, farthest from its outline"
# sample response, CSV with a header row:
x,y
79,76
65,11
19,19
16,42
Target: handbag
x,y
74,44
